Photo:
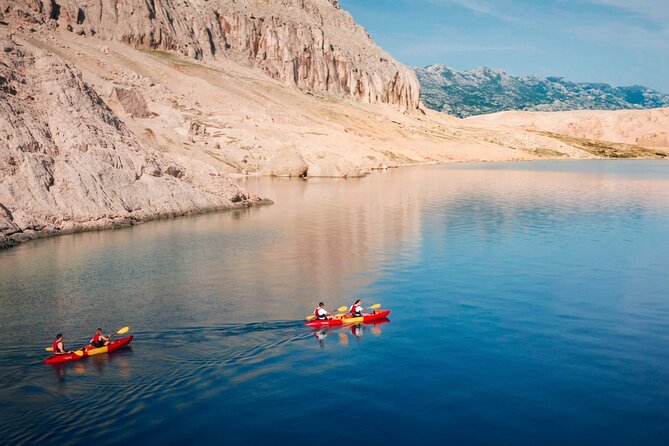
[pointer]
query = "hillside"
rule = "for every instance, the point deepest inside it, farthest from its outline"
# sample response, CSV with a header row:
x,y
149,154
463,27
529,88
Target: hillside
x,y
646,128
483,90
113,115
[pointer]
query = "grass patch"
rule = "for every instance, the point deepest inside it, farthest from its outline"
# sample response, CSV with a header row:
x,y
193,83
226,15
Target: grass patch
x,y
548,153
607,149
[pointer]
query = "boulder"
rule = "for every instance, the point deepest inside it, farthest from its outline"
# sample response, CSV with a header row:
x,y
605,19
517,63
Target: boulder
x,y
132,102
288,162
334,166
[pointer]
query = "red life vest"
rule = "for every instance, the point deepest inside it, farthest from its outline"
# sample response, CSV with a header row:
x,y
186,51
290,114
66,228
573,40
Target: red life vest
x,y
354,309
96,339
316,311
55,347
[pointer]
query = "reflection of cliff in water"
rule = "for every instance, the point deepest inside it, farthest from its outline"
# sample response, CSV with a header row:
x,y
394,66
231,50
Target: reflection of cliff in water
x,y
335,234
340,232
323,239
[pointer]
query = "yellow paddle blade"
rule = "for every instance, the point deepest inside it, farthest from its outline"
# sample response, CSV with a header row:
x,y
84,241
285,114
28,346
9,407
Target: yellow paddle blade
x,y
123,330
375,306
342,308
310,317
49,349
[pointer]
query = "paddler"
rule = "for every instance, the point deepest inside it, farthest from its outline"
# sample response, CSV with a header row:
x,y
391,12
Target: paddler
x,y
58,346
356,309
99,340
321,313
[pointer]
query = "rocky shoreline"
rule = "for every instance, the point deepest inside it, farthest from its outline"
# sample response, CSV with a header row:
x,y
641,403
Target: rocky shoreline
x,y
11,239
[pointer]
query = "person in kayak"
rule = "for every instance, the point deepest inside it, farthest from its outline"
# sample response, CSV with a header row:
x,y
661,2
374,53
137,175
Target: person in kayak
x,y
58,346
356,309
321,313
99,340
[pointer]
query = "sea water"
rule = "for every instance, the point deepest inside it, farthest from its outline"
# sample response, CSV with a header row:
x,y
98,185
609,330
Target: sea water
x,y
530,305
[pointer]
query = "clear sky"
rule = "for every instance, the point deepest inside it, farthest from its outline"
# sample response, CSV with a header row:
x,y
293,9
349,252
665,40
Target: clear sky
x,y
621,42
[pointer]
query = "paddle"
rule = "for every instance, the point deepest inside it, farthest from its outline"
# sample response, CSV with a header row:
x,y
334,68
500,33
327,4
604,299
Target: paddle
x,y
338,309
80,353
123,330
76,352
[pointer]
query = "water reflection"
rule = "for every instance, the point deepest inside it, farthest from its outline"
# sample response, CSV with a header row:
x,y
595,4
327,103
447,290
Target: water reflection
x,y
357,331
96,365
321,334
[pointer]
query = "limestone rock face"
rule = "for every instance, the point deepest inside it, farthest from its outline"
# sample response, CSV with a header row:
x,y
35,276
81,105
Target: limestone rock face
x,y
311,44
67,163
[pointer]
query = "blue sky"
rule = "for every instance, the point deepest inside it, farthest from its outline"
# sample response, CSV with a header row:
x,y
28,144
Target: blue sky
x,y
622,42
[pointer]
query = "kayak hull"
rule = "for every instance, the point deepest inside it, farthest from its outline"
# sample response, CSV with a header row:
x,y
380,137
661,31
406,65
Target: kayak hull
x,y
113,345
380,314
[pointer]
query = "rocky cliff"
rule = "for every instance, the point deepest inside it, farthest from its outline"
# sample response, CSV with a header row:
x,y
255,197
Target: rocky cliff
x,y
483,90
67,163
311,44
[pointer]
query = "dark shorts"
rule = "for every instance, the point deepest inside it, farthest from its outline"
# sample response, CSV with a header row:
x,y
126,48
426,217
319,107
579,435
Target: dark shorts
x,y
98,344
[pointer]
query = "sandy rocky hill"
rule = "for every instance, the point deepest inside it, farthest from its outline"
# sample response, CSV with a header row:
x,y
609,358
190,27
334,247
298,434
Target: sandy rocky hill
x,y
113,113
484,90
641,128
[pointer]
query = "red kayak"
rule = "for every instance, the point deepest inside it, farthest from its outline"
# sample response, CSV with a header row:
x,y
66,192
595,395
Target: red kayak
x,y
113,345
348,319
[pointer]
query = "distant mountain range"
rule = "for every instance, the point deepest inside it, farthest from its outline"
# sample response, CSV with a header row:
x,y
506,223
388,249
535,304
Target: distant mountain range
x,y
484,90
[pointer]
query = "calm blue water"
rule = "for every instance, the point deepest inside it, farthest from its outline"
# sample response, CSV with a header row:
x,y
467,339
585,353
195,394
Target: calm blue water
x,y
530,306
